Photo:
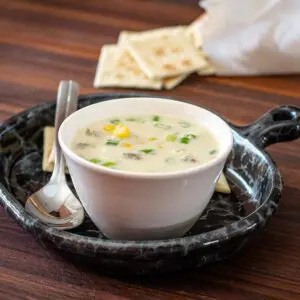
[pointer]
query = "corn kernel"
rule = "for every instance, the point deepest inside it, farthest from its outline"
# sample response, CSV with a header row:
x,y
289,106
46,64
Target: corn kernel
x,y
109,127
126,145
121,131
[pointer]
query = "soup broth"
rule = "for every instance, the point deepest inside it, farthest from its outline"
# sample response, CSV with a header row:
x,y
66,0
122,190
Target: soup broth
x,y
146,143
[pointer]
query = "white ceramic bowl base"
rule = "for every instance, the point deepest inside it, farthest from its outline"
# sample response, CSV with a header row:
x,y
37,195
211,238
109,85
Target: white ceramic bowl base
x,y
141,206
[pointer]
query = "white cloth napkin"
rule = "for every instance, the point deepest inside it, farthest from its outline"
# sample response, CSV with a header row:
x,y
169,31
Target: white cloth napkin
x,y
252,37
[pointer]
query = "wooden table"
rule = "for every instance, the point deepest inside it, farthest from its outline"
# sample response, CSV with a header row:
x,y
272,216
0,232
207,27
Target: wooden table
x,y
42,42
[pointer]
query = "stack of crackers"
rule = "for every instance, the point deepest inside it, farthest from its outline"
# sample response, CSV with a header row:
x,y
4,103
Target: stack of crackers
x,y
153,59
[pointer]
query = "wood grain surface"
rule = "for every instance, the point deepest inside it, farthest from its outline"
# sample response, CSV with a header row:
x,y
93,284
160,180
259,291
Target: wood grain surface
x,y
42,42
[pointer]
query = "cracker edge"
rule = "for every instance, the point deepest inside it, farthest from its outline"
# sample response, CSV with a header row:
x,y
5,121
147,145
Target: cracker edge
x,y
101,58
125,34
208,71
172,82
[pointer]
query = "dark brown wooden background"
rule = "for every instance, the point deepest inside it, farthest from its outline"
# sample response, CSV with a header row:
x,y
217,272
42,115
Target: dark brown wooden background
x,y
42,42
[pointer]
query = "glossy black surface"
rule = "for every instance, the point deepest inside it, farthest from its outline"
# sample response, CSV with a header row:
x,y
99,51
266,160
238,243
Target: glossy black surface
x,y
223,229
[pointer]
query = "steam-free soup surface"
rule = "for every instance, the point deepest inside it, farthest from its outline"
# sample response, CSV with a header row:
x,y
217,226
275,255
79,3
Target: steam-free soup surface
x,y
146,143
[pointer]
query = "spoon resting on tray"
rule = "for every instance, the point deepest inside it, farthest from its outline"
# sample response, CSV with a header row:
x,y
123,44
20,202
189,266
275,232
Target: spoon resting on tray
x,y
55,204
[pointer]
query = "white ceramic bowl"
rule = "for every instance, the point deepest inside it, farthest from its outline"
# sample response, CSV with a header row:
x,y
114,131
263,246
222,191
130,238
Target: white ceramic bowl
x,y
135,206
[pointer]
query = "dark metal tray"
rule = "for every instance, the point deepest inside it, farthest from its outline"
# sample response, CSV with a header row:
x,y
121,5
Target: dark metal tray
x,y
224,228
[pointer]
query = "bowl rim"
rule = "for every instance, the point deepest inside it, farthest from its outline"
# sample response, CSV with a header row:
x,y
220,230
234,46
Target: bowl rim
x,y
221,157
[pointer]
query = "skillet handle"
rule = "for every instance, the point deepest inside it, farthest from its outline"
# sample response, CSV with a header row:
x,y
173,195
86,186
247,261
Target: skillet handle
x,y
280,124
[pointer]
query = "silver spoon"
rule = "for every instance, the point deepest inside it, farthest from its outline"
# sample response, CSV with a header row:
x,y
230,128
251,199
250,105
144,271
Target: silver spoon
x,y
55,204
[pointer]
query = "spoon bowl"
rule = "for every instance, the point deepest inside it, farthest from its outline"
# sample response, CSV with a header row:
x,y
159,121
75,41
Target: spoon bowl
x,y
55,204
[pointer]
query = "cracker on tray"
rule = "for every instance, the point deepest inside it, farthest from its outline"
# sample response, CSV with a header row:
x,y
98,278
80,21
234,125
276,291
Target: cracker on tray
x,y
48,150
222,185
48,159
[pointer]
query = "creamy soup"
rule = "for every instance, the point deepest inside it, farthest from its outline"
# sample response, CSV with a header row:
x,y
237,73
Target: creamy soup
x,y
146,143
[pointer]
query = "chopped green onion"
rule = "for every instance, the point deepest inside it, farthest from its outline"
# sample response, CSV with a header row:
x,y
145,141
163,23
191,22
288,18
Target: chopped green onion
x,y
112,142
114,121
212,152
100,162
152,138
184,140
133,119
171,138
109,164
95,161
155,118
147,151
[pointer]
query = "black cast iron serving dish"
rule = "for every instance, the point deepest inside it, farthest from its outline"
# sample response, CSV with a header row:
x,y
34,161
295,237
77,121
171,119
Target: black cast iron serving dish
x,y
227,224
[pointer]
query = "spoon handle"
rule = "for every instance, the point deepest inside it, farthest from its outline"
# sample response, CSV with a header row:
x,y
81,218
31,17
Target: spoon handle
x,y
72,101
66,104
